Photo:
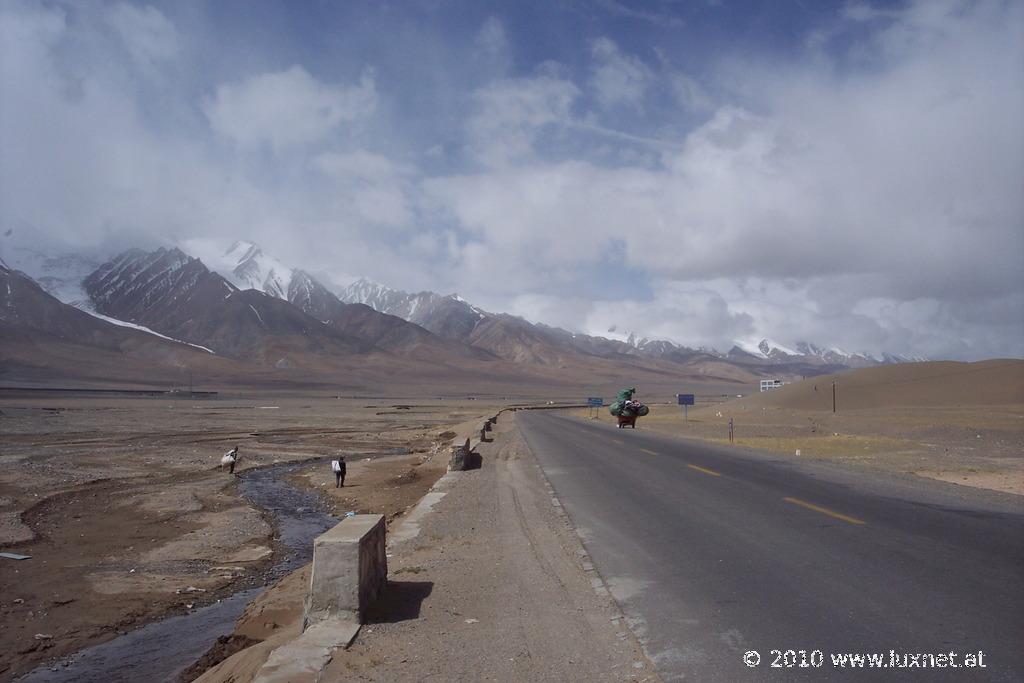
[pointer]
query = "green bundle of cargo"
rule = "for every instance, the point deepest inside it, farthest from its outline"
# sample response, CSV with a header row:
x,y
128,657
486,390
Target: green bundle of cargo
x,y
625,406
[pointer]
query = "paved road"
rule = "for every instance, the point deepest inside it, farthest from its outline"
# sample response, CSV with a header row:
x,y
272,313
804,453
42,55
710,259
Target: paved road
x,y
712,552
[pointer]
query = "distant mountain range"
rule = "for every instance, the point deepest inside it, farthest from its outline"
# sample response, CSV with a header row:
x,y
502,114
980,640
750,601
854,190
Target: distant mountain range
x,y
250,307
452,316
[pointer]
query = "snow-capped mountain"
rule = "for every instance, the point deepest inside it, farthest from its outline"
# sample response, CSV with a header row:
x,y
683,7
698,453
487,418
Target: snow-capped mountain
x,y
156,291
767,349
33,315
379,297
246,266
447,316
61,275
160,289
655,347
178,296
310,296
453,317
837,355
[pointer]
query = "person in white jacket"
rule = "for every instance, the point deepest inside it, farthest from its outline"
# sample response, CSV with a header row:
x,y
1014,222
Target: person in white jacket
x,y
229,459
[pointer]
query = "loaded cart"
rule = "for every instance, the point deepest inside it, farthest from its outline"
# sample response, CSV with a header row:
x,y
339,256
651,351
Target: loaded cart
x,y
626,421
626,409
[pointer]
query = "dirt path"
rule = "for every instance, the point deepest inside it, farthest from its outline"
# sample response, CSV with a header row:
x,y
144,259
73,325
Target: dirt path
x,y
495,586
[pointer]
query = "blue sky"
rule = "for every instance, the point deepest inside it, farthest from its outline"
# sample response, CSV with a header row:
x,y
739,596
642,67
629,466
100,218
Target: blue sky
x,y
845,173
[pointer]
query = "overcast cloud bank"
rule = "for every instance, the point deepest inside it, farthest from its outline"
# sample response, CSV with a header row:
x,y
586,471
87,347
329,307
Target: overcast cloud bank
x,y
862,188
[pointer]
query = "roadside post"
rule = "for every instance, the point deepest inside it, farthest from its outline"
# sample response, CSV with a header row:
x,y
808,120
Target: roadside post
x,y
594,404
685,400
730,430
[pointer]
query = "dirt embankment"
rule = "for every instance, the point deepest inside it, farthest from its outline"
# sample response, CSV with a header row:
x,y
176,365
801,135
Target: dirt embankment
x,y
127,516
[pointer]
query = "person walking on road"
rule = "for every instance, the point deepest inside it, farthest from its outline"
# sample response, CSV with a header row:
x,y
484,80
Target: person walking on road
x,y
338,467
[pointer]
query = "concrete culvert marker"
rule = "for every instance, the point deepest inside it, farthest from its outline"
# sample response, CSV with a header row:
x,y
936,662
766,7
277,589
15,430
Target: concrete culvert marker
x,y
349,573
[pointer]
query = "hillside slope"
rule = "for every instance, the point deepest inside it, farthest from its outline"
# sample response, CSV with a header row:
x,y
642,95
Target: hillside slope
x,y
934,383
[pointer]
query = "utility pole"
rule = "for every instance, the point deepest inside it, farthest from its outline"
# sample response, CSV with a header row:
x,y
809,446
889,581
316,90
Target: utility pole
x,y
833,396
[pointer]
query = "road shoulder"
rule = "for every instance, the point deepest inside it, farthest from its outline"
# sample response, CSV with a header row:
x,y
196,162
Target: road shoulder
x,y
495,585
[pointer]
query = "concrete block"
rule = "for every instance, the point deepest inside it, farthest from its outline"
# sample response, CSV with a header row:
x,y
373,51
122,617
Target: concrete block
x,y
460,457
350,569
303,659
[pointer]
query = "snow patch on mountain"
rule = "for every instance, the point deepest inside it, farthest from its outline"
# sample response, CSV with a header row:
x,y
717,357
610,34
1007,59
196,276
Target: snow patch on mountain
x,y
656,346
415,308
61,275
248,267
766,348
450,316
243,264
141,328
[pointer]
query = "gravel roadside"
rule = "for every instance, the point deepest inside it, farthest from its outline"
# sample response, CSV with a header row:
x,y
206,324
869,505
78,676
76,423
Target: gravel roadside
x,y
496,585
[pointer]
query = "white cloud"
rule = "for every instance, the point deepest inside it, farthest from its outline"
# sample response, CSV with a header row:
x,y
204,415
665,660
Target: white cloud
x,y
870,200
893,185
695,312
690,94
491,38
149,36
631,11
510,113
618,78
79,164
378,189
860,11
362,165
287,108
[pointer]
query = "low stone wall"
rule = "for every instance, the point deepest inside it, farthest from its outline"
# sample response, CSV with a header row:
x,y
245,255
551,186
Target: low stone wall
x,y
463,457
350,569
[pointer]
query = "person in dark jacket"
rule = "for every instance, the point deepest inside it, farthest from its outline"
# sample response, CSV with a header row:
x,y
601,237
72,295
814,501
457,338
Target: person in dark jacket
x,y
338,467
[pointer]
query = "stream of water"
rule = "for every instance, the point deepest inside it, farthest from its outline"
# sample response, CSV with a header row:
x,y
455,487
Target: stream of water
x,y
162,650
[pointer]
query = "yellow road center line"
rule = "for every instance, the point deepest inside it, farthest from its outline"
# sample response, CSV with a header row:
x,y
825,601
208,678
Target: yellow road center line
x,y
704,470
647,451
824,511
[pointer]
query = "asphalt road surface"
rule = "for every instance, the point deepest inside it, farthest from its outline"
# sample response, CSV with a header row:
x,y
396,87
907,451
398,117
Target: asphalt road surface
x,y
715,552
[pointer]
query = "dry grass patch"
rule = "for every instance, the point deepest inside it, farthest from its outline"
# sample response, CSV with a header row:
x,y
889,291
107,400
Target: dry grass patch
x,y
974,445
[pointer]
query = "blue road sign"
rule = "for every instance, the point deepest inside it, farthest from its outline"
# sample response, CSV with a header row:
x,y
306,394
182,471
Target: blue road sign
x,y
595,402
685,399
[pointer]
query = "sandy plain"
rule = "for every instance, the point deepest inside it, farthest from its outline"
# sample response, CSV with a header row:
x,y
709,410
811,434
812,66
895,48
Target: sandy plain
x,y
127,516
958,422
